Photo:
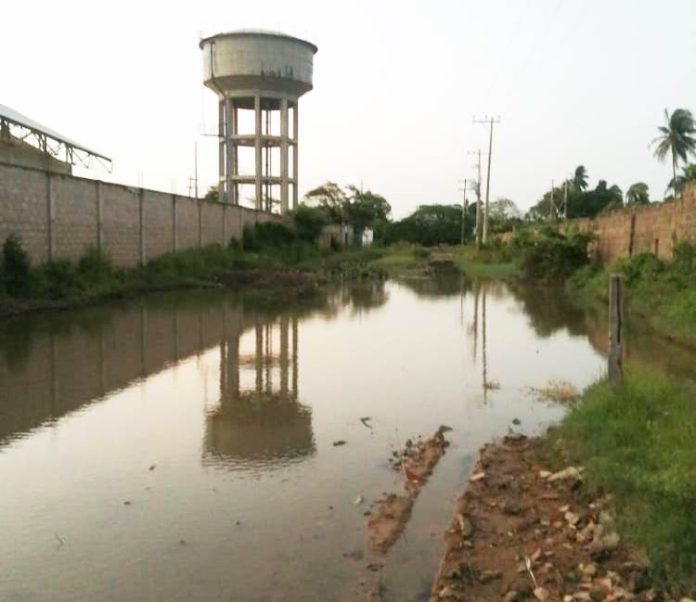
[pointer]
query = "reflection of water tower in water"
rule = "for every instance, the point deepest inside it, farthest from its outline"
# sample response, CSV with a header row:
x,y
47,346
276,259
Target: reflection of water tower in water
x,y
261,74
259,418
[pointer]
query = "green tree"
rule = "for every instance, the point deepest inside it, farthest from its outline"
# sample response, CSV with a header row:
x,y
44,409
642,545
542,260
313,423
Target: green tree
x,y
213,194
503,215
586,203
366,210
579,179
309,221
688,175
430,225
676,138
330,196
638,194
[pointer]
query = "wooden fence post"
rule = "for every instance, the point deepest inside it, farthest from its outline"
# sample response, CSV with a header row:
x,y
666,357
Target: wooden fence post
x,y
615,368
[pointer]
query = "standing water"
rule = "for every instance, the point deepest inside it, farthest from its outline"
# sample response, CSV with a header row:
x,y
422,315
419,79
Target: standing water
x,y
182,447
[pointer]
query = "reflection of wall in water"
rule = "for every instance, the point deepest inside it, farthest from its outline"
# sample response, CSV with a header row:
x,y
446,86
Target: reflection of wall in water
x,y
54,364
258,417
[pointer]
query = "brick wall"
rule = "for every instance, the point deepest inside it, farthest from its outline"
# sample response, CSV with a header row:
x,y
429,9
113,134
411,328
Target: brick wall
x,y
649,229
60,216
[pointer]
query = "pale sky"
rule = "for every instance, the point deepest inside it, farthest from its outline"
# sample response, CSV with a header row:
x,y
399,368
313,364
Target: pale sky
x,y
396,85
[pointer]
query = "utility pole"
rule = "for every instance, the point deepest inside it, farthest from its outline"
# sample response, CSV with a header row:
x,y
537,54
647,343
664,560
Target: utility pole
x,y
477,189
552,205
490,121
464,207
565,201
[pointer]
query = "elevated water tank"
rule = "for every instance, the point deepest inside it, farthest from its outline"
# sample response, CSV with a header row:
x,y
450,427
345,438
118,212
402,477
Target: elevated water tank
x,y
264,72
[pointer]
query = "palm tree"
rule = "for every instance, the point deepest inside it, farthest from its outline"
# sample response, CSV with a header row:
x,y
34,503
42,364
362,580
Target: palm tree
x,y
638,194
579,179
679,183
675,138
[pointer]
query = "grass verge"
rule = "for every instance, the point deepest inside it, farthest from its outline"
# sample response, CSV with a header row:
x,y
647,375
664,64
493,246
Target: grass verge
x,y
661,293
638,444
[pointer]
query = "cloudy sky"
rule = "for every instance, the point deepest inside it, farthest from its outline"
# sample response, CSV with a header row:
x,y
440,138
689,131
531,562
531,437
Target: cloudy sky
x,y
397,84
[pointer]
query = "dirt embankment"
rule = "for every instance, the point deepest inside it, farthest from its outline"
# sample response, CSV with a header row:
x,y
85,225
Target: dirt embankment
x,y
390,514
521,532
293,284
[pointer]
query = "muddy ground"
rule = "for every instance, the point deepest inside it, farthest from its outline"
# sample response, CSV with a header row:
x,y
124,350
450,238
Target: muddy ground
x,y
523,532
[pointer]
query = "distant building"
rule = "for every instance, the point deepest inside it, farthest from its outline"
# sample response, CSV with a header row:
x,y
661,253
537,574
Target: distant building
x,y
26,143
337,235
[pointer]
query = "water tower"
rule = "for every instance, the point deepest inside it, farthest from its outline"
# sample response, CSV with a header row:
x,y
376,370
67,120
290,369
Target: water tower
x,y
259,77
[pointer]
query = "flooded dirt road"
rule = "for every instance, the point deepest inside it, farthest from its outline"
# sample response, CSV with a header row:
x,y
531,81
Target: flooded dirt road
x,y
184,446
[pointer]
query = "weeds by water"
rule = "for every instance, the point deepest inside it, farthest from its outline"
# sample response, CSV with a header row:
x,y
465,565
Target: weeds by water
x,y
638,443
558,391
664,293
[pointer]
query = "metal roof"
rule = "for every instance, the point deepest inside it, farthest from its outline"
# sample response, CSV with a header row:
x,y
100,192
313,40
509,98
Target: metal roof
x,y
15,117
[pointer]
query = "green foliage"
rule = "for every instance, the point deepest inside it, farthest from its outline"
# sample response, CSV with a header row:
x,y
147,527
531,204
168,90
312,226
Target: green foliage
x,y
676,139
688,176
57,279
644,266
95,267
638,194
685,257
213,194
269,234
354,207
550,255
638,443
664,293
581,202
430,225
579,179
331,197
503,216
309,222
366,210
16,267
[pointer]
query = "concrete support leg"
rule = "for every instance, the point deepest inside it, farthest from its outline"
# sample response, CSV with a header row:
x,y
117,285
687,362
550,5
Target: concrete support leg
x,y
259,163
284,155
229,152
222,148
295,361
284,349
296,154
235,153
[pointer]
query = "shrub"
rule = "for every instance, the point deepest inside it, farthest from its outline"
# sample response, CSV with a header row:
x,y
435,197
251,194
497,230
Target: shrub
x,y
685,257
15,267
60,279
309,222
266,235
550,255
95,267
644,266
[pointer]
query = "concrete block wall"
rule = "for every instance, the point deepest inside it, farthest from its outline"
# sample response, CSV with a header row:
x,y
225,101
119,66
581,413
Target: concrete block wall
x,y
61,216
